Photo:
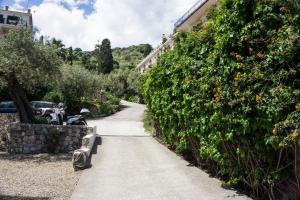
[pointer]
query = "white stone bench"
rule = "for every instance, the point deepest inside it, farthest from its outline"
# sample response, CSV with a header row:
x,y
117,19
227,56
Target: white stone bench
x,y
81,156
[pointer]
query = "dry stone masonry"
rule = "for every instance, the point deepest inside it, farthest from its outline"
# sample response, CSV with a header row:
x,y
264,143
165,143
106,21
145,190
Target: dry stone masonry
x,y
5,120
21,138
31,139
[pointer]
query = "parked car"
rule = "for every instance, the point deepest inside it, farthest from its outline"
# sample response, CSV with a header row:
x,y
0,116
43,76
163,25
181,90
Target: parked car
x,y
8,107
52,112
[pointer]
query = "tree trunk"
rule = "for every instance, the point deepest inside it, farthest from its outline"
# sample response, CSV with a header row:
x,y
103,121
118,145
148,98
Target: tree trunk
x,y
18,95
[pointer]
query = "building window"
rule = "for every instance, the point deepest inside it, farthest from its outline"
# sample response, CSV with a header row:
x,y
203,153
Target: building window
x,y
13,20
2,19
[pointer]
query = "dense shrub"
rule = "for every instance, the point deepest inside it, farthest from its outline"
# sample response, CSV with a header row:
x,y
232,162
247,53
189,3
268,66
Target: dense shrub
x,y
39,120
229,93
54,96
77,82
110,106
123,82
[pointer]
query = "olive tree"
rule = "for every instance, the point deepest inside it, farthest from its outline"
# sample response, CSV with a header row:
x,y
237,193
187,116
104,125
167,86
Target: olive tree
x,y
24,65
77,82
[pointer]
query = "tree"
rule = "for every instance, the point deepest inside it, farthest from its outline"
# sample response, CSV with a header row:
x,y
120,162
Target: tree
x,y
104,56
77,82
70,56
145,49
60,48
164,39
24,65
77,54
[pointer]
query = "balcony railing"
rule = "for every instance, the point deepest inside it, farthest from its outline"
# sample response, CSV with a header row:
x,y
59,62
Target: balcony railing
x,y
190,12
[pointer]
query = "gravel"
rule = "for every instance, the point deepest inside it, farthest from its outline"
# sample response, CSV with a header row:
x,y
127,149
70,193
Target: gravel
x,y
37,177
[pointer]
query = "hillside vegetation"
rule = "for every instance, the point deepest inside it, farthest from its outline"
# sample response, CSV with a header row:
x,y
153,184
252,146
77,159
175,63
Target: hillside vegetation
x,y
229,95
79,78
130,57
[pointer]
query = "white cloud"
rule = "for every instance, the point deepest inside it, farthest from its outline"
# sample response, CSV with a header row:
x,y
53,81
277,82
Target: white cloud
x,y
18,4
124,22
69,2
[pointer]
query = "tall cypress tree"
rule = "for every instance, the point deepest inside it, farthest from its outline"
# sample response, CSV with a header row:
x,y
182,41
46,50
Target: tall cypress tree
x,y
104,57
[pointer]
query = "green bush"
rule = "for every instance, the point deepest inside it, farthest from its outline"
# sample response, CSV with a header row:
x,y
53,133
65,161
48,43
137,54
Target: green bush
x,y
77,82
54,96
135,99
148,122
122,82
230,94
106,109
111,106
39,120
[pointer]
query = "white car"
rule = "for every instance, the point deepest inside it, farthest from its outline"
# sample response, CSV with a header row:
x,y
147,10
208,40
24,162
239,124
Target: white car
x,y
50,111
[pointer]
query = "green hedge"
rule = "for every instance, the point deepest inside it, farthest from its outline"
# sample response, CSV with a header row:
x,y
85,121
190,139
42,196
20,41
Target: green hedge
x,y
229,93
98,109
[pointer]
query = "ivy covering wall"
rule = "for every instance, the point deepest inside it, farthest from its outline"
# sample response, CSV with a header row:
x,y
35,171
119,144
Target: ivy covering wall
x,y
229,95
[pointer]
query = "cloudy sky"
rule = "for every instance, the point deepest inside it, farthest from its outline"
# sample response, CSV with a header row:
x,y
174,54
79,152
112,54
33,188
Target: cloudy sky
x,y
82,23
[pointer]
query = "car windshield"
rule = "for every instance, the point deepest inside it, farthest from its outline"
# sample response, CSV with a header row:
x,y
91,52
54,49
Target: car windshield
x,y
8,104
43,105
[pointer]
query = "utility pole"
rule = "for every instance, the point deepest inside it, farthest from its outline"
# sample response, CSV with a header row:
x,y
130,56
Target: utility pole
x,y
28,4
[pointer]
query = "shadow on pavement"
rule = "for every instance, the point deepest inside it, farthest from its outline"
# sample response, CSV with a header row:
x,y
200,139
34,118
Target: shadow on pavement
x,y
123,107
22,198
97,143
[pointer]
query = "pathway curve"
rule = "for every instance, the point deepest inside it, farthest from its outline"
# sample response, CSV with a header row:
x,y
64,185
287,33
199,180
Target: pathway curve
x,y
131,165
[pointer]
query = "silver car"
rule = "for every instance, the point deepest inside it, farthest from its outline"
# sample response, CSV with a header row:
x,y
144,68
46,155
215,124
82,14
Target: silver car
x,y
51,111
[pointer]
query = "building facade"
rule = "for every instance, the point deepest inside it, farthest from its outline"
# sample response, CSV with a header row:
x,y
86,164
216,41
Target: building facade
x,y
13,20
155,54
193,17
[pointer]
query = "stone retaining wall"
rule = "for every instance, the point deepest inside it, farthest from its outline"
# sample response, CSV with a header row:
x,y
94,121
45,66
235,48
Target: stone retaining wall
x,y
31,138
5,120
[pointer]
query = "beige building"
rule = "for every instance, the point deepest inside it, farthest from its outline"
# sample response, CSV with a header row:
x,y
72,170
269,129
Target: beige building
x,y
155,54
193,17
13,19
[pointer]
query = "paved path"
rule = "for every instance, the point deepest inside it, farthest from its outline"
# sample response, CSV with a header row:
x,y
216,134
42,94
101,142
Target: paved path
x,y
131,165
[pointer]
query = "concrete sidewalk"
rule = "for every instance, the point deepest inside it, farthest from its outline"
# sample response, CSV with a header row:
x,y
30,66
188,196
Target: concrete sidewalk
x,y
131,165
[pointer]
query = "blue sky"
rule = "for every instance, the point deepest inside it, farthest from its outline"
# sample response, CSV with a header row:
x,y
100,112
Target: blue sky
x,y
87,6
83,23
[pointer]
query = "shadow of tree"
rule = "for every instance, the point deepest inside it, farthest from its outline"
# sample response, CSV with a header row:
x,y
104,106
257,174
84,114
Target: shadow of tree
x,y
38,158
3,197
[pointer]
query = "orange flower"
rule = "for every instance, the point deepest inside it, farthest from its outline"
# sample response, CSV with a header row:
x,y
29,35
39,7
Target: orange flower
x,y
258,98
295,135
286,122
274,131
237,76
238,57
205,26
281,145
237,93
279,88
260,55
297,106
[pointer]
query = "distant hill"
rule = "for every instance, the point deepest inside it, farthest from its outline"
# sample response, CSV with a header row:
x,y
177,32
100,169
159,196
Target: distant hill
x,y
130,57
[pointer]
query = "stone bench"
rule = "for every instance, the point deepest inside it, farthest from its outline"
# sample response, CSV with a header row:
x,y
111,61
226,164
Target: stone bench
x,y
81,156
